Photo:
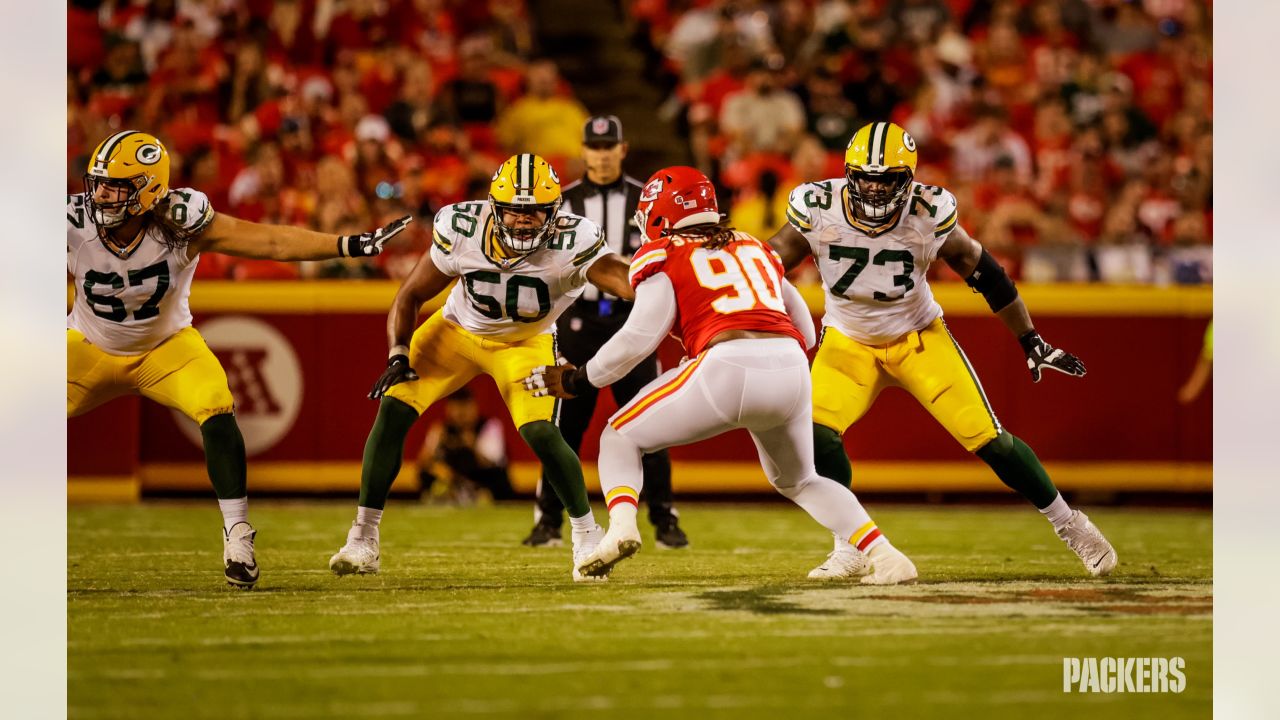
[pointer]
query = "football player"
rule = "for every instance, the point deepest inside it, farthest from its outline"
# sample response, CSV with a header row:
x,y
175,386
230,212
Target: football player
x,y
132,246
746,330
520,262
874,233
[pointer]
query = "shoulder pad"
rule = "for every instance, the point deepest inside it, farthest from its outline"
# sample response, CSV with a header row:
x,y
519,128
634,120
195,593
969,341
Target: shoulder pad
x,y
459,221
935,204
589,240
184,212
649,260
77,213
806,203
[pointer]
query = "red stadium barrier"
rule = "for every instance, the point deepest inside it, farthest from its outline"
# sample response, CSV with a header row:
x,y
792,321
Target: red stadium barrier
x,y
301,357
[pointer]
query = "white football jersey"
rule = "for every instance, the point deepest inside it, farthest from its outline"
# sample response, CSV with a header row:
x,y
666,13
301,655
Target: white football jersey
x,y
129,301
511,300
874,277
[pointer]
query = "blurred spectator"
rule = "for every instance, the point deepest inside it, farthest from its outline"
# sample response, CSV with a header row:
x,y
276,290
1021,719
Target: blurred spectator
x,y
473,98
763,116
987,141
763,209
544,121
464,455
831,116
412,111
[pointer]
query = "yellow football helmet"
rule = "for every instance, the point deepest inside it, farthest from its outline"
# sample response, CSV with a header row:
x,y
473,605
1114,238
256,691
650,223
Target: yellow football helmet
x,y
135,163
525,184
880,164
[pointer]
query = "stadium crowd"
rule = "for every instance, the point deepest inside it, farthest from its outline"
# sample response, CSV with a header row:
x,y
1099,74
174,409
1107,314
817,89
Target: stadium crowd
x,y
1077,134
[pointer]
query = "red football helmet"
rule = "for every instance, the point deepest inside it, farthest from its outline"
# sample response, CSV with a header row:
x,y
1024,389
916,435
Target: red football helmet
x,y
674,198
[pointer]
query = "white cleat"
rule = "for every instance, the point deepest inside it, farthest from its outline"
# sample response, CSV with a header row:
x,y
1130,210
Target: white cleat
x,y
240,567
1086,540
621,542
360,554
890,567
846,561
584,549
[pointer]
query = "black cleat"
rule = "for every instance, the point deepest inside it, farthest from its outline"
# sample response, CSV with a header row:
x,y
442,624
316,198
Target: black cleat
x,y
668,535
544,535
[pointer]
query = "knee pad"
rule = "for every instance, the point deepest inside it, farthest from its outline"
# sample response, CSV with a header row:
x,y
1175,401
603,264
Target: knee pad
x,y
998,447
790,487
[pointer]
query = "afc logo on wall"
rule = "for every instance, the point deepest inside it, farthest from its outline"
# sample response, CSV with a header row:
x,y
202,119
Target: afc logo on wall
x,y
265,378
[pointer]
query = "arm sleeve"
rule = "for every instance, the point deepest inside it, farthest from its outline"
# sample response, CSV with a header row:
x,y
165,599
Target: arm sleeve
x,y
649,322
798,309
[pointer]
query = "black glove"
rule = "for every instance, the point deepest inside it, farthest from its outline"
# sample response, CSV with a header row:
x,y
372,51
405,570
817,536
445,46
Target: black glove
x,y
370,243
397,371
1041,354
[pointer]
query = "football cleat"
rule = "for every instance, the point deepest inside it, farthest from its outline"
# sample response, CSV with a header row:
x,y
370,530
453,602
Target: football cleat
x,y
240,567
360,555
1086,540
668,535
846,561
544,535
582,552
890,567
621,542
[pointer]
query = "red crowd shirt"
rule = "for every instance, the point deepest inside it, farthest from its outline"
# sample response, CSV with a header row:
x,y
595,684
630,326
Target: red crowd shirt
x,y
735,287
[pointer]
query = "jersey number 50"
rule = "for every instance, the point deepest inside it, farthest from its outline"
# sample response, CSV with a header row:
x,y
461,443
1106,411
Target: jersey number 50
x,y
746,270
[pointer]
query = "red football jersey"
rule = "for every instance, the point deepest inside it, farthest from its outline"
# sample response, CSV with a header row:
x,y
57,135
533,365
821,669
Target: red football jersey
x,y
736,287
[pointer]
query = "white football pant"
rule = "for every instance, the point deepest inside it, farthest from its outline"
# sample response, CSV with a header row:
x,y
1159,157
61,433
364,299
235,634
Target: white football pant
x,y
761,385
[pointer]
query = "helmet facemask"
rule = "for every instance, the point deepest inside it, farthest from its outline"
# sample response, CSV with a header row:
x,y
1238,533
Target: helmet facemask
x,y
874,197
523,240
109,215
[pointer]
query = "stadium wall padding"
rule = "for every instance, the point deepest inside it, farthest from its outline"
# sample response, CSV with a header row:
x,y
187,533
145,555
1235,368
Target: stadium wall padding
x,y
312,350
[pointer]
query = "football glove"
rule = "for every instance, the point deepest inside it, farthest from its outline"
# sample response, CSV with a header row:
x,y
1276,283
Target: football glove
x,y
398,371
560,380
370,243
1041,354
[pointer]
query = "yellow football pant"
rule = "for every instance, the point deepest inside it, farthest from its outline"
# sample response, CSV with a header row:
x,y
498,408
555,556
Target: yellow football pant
x,y
446,357
929,364
181,373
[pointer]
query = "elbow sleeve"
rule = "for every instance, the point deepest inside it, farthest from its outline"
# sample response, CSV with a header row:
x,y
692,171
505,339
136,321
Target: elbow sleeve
x,y
993,282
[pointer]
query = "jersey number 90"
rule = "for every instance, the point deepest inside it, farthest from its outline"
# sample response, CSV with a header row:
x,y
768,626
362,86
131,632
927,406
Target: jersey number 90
x,y
746,271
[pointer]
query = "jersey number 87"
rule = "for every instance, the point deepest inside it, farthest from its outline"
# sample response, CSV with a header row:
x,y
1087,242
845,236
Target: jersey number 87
x,y
746,270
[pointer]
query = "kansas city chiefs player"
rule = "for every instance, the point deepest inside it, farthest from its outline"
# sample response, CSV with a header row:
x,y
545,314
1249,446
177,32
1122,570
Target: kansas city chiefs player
x,y
745,330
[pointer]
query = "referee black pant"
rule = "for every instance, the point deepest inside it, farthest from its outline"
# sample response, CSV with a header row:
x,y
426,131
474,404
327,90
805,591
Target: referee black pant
x,y
575,415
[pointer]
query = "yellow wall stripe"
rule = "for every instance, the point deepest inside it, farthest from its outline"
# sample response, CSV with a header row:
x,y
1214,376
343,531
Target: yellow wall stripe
x,y
689,476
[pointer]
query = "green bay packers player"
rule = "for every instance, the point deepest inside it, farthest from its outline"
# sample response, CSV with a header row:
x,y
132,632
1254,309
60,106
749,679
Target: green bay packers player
x,y
519,263
874,233
132,248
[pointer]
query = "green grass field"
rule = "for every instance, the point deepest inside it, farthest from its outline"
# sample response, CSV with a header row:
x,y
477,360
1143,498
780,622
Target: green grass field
x,y
465,622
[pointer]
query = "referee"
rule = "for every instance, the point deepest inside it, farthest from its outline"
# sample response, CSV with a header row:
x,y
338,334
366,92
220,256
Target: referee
x,y
607,197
